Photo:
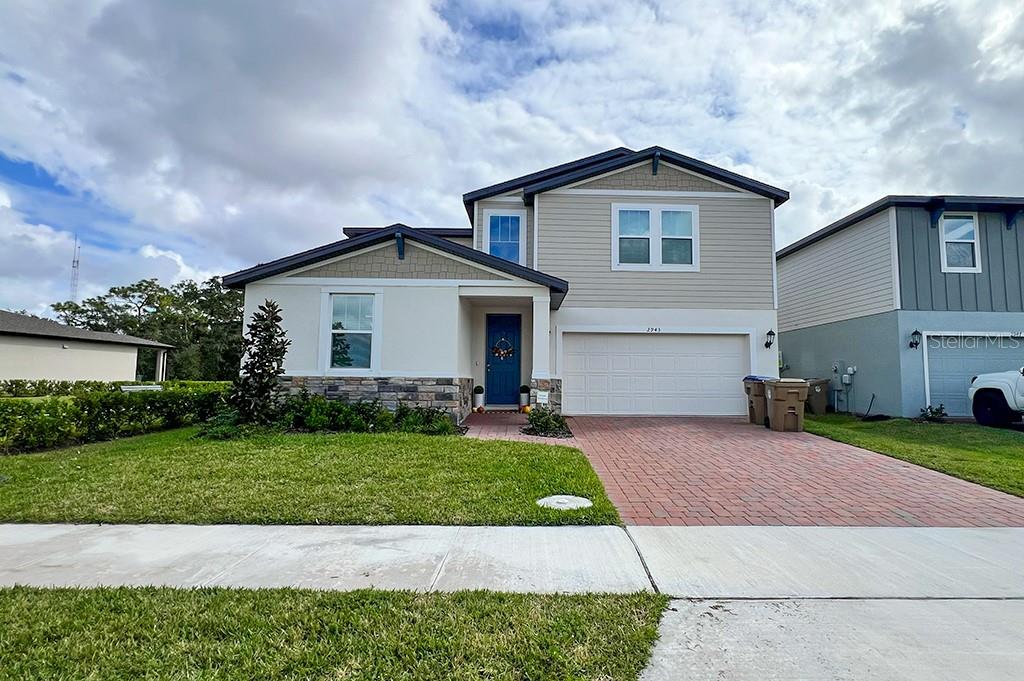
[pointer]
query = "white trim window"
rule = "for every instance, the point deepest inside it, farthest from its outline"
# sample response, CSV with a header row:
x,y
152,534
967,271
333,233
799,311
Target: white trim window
x,y
352,341
504,234
655,237
959,246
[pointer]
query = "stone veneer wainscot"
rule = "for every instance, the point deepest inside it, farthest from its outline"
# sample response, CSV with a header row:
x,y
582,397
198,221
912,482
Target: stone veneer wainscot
x,y
454,395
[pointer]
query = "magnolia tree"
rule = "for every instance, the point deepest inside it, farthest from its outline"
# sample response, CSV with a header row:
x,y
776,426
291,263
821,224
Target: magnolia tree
x,y
257,388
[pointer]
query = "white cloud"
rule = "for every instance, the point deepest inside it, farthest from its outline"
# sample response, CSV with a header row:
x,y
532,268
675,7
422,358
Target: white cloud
x,y
234,132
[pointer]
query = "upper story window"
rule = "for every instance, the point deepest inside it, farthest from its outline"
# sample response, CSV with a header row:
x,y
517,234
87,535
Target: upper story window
x,y
505,234
960,250
655,237
352,316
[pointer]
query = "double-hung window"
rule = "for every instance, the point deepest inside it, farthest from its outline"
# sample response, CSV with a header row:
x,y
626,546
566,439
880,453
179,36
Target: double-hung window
x,y
959,247
352,317
505,234
655,237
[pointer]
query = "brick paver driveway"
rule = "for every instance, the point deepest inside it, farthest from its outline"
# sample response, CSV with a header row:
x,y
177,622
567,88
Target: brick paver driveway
x,y
695,471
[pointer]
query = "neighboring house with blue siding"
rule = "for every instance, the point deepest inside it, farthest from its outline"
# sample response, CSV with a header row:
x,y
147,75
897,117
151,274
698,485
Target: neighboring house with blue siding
x,y
853,294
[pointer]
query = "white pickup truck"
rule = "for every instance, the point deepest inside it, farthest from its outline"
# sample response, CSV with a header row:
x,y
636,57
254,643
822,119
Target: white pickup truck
x,y
997,399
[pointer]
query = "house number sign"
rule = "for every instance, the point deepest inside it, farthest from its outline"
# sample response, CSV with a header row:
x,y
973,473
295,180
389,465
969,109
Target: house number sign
x,y
653,329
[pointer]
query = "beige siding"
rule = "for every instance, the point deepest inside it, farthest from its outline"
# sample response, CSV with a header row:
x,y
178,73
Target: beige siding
x,y
60,359
383,263
667,179
846,275
478,231
735,255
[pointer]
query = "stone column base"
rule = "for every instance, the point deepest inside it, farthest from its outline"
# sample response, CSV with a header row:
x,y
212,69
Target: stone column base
x,y
553,386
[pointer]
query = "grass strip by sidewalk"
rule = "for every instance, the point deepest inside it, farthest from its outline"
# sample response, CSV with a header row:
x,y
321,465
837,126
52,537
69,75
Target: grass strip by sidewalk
x,y
292,634
988,456
357,479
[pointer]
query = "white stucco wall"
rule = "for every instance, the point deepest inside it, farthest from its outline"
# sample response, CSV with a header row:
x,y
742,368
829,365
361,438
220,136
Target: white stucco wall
x,y
419,327
757,323
36,358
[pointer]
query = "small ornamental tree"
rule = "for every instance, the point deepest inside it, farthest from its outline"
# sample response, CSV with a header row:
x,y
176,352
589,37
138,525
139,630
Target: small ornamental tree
x,y
257,389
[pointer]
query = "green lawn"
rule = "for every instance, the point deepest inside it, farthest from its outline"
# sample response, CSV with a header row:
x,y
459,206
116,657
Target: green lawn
x,y
173,477
128,633
988,456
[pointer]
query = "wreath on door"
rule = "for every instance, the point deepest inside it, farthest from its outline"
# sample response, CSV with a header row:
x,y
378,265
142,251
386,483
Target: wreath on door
x,y
503,349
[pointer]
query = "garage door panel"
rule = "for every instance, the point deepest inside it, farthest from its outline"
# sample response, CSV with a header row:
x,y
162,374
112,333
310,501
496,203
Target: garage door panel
x,y
953,361
665,374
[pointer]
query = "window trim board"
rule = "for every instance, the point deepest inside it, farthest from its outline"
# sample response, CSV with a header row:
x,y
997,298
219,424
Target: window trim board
x,y
976,243
485,227
326,333
655,236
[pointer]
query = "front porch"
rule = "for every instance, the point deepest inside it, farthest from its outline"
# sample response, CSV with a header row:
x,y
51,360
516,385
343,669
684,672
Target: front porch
x,y
508,344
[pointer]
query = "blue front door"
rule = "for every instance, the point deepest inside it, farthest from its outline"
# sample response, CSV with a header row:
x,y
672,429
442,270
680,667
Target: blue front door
x,y
502,357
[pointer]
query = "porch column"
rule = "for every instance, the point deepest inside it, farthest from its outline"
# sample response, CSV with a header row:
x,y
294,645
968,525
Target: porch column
x,y
161,366
541,337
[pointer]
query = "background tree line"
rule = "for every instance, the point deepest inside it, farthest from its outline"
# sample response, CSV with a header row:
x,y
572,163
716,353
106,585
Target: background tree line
x,y
203,321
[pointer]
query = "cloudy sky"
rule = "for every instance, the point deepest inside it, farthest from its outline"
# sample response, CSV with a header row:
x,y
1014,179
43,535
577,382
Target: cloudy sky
x,y
183,139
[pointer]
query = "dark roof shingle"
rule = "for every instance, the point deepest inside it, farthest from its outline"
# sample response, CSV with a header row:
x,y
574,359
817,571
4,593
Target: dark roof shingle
x,y
24,325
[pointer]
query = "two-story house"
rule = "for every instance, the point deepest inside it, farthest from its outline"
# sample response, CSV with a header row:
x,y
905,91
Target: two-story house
x,y
915,294
628,282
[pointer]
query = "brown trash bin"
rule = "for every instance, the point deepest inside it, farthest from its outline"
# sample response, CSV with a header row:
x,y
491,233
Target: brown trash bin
x,y
817,395
757,405
786,403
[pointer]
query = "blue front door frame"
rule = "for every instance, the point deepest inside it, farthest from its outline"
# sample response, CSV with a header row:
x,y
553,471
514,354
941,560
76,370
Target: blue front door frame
x,y
504,344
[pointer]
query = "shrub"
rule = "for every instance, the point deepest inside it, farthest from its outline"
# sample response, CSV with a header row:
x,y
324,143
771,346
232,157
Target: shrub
x,y
93,416
224,425
544,422
934,414
257,390
312,413
46,388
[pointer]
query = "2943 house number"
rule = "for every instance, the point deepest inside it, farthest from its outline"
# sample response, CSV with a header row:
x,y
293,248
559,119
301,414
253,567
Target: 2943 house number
x,y
653,329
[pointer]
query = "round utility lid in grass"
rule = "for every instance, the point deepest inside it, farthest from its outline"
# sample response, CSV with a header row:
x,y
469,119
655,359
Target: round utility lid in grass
x,y
564,502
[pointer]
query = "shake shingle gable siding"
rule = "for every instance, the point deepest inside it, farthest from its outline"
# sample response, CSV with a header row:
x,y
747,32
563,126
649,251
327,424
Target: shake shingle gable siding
x,y
642,178
384,263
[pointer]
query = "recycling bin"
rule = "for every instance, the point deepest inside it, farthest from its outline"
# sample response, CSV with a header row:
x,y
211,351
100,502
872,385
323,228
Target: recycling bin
x,y
786,398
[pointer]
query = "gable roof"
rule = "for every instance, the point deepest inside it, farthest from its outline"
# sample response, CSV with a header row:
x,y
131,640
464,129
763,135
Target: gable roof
x,y
559,287
15,324
941,201
779,196
443,232
519,182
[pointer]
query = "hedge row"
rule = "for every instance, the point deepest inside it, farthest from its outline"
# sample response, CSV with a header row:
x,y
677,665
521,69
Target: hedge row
x,y
27,425
315,413
44,388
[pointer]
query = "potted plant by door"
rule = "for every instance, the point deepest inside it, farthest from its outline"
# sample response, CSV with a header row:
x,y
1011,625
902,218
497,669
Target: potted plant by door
x,y
524,396
478,398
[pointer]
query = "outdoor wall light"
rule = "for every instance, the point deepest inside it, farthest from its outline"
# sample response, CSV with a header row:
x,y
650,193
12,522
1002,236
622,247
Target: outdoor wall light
x,y
915,339
769,338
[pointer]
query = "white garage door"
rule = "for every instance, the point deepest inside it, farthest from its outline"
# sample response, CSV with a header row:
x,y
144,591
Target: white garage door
x,y
663,374
954,360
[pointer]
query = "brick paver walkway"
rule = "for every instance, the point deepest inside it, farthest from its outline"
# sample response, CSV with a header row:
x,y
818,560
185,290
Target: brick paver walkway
x,y
506,425
700,471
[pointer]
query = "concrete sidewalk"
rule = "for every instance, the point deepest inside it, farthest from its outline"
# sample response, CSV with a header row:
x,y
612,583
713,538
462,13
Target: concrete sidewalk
x,y
684,562
834,562
423,558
